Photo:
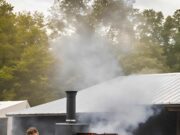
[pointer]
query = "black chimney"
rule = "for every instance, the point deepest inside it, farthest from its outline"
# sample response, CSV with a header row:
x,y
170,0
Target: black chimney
x,y
70,127
71,106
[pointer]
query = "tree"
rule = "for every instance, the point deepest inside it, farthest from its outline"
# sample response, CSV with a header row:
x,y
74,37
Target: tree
x,y
25,58
33,67
144,59
7,33
136,37
171,36
142,42
175,46
32,75
147,55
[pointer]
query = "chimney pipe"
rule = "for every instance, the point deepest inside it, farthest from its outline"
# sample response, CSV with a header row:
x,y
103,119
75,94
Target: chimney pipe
x,y
71,106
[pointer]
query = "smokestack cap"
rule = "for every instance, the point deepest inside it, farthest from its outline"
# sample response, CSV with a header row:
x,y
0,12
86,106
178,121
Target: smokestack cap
x,y
71,92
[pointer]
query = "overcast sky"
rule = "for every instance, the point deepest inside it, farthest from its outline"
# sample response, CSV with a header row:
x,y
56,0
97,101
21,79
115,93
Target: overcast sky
x,y
167,6
32,5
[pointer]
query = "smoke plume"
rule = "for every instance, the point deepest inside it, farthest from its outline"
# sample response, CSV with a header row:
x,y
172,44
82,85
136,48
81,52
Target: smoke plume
x,y
125,102
87,59
86,48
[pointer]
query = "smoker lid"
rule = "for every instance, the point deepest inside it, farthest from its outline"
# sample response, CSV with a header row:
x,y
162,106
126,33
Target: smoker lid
x,y
165,87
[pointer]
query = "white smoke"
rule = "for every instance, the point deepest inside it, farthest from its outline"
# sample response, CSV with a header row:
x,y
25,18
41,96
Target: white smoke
x,y
85,60
125,101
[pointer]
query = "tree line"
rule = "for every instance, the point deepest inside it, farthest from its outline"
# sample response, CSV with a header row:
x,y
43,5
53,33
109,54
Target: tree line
x,y
142,42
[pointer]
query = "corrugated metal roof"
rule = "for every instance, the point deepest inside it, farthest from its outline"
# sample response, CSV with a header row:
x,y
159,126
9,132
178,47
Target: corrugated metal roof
x,y
151,88
169,91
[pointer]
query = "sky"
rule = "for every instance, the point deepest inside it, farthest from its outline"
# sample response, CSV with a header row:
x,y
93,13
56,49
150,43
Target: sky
x,y
167,6
32,5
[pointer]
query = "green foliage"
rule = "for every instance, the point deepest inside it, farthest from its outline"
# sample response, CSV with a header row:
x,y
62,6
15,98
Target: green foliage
x,y
171,41
31,72
25,58
147,55
143,42
7,33
146,58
